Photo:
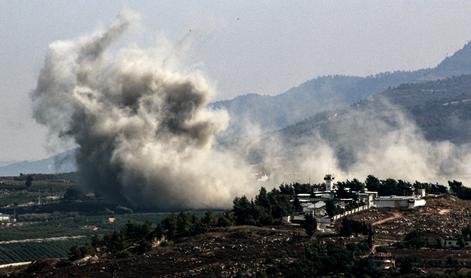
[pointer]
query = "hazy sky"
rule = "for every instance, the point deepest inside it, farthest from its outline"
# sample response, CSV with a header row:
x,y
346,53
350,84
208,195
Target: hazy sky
x,y
243,46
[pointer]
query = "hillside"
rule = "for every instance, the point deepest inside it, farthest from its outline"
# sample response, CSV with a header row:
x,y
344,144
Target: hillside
x,y
281,251
329,93
60,163
440,109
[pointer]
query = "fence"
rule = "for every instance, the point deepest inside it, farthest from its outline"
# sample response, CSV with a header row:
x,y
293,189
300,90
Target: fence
x,y
349,212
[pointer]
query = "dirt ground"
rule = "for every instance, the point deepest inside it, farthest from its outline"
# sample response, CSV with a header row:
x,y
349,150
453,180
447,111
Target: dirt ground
x,y
219,253
446,215
248,249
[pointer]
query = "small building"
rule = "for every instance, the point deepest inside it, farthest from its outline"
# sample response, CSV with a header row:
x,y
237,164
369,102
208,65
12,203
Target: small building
x,y
432,239
324,195
422,192
451,242
304,197
368,197
381,261
4,218
399,202
316,209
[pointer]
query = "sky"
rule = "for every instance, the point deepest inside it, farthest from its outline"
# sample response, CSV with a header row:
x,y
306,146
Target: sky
x,y
263,47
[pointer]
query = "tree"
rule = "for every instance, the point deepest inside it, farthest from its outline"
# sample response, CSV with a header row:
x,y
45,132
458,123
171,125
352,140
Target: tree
x,y
224,221
415,239
183,224
355,185
208,218
262,199
406,266
242,210
466,232
73,193
331,208
310,225
372,183
297,204
459,190
29,181
169,226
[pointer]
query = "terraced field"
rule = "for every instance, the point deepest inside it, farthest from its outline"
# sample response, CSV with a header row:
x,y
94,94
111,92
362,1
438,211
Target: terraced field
x,y
29,251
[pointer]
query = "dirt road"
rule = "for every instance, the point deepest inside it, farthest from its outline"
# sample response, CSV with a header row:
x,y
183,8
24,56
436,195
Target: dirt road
x,y
395,215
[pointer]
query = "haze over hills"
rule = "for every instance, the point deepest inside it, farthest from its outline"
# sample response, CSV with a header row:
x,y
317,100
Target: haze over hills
x,y
328,93
60,163
440,108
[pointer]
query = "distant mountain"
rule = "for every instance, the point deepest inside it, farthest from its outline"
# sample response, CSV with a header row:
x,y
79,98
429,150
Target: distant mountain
x,y
3,163
441,110
329,93
60,163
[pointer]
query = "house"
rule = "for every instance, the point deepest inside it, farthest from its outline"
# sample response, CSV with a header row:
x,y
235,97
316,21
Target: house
x,y
422,192
4,218
399,202
381,261
368,197
304,197
451,242
316,209
432,239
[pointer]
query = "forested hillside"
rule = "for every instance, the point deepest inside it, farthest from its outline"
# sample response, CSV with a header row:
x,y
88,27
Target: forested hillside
x,y
441,109
328,93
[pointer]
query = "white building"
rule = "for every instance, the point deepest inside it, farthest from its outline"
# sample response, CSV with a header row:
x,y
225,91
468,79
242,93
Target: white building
x,y
399,202
422,192
304,197
4,218
368,197
316,209
329,182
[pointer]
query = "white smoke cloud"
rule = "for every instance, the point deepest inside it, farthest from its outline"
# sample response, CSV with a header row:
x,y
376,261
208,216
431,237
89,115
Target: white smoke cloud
x,y
380,140
144,130
146,135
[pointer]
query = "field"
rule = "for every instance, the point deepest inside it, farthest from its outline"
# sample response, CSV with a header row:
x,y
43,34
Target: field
x,y
74,226
80,228
29,251
31,235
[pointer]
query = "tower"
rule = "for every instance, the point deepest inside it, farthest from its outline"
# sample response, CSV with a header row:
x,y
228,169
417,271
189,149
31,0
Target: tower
x,y
329,182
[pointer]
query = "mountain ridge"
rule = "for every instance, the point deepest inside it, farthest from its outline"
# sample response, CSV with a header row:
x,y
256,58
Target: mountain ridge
x,y
328,93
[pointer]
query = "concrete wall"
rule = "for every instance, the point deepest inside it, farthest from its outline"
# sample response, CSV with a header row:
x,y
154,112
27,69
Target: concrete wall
x,y
349,212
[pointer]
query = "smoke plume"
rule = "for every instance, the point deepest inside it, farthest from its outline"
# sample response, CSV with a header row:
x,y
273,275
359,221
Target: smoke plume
x,y
144,132
146,136
378,139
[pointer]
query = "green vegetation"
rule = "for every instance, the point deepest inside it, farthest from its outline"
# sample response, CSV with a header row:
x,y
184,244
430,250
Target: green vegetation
x,y
325,260
73,225
29,251
459,190
310,225
137,238
415,239
350,227
268,207
332,209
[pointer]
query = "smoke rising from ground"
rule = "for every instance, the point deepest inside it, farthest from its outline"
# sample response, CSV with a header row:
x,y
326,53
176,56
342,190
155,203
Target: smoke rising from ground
x,y
144,131
378,139
147,137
